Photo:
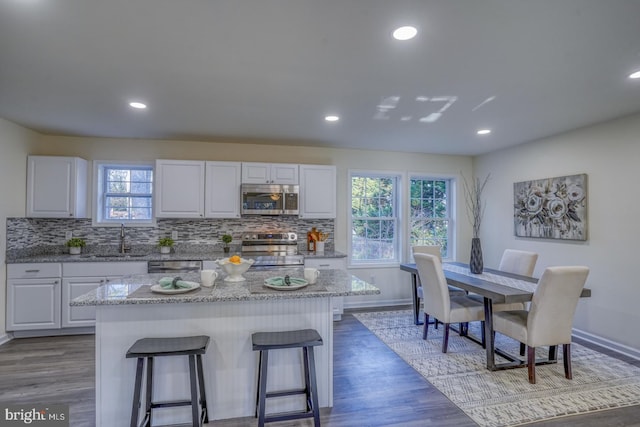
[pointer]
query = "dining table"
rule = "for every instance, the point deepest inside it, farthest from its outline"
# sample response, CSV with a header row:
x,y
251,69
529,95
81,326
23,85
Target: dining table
x,y
495,287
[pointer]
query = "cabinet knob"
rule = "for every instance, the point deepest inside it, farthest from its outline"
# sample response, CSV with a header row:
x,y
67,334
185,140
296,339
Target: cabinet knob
x,y
102,280
55,282
70,214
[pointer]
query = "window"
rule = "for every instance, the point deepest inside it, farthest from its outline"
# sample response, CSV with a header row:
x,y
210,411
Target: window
x,y
430,212
374,218
124,193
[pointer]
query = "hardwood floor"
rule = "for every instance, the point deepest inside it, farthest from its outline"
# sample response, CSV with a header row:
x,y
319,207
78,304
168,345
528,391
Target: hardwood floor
x,y
372,385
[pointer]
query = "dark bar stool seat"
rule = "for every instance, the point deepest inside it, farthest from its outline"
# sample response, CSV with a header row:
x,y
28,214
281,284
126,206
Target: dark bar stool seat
x,y
148,348
305,339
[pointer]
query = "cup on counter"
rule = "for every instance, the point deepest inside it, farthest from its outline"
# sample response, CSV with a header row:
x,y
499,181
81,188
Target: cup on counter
x,y
311,275
208,277
320,247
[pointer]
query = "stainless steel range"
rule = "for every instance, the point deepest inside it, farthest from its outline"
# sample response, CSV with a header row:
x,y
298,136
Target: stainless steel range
x,y
270,249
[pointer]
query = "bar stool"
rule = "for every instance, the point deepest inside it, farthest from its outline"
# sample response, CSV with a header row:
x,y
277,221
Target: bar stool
x,y
148,348
305,339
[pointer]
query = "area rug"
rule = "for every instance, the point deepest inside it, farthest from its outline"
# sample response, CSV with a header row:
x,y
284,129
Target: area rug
x,y
505,398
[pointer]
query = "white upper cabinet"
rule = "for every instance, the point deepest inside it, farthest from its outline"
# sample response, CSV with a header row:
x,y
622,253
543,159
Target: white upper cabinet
x,y
317,191
56,187
222,197
197,189
269,173
179,189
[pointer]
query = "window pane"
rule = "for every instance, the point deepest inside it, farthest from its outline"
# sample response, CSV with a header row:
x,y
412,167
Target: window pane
x,y
373,202
127,193
429,213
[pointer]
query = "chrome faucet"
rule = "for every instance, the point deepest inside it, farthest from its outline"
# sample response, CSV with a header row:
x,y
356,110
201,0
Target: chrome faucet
x,y
123,247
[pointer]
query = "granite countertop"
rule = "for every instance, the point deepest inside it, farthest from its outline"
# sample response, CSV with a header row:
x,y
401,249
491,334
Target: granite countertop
x,y
136,289
127,257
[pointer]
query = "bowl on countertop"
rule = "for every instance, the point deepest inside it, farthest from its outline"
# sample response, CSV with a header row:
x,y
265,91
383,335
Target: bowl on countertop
x,y
235,267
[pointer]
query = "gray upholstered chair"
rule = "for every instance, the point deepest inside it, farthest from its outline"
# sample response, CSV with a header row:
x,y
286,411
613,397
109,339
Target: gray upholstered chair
x,y
439,303
550,318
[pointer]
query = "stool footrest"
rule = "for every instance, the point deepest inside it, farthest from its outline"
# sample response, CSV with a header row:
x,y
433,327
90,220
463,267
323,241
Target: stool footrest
x,y
171,403
287,416
281,393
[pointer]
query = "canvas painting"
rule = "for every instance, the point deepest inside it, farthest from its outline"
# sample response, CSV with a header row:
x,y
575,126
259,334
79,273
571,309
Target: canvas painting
x,y
551,208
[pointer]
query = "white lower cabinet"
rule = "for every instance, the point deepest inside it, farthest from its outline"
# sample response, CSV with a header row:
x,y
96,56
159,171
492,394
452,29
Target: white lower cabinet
x,y
73,288
330,264
38,294
33,296
82,277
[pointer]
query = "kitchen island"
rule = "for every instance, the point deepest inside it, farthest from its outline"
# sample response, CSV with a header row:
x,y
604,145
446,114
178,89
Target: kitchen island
x,y
228,313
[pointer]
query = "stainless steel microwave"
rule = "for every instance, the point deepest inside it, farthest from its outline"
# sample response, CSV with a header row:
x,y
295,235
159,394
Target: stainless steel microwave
x,y
270,199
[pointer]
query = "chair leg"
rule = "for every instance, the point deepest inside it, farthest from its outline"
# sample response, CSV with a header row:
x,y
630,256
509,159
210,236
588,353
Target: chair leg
x,y
553,352
483,337
203,393
566,355
136,393
193,380
435,323
426,326
262,388
445,338
531,363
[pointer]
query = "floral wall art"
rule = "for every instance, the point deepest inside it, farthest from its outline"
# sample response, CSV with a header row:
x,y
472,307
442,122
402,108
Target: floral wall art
x,y
551,208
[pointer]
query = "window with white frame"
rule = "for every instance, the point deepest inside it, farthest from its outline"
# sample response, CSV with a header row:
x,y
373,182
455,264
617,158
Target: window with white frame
x,y
124,193
430,212
375,225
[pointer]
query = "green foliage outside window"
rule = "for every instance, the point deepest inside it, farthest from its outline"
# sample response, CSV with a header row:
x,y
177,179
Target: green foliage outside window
x,y
429,213
127,193
374,222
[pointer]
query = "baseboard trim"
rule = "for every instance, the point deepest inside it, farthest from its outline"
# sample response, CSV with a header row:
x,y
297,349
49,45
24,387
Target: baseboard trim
x,y
376,303
54,332
608,344
4,339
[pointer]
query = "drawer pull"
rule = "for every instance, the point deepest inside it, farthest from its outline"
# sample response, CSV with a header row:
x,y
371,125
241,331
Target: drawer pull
x,y
32,271
324,265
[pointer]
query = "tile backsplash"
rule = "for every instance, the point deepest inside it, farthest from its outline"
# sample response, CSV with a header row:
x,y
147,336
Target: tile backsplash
x,y
26,236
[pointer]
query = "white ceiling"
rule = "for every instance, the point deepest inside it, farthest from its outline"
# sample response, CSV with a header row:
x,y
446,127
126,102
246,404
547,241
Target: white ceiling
x,y
270,70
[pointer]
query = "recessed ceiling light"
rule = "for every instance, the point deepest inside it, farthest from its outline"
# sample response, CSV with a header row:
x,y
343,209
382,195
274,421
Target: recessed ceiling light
x,y
138,105
484,131
332,118
405,33
635,75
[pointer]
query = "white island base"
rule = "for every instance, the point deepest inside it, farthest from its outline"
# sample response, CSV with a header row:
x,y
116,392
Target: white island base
x,y
230,364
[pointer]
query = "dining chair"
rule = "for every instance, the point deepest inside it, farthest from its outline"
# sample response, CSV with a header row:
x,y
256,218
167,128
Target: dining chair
x,y
434,250
439,303
516,262
549,320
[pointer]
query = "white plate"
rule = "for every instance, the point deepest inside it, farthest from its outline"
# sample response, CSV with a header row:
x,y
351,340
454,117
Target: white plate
x,y
284,287
160,290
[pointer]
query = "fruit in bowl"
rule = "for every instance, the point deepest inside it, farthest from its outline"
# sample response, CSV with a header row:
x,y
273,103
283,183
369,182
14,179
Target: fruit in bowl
x,y
234,267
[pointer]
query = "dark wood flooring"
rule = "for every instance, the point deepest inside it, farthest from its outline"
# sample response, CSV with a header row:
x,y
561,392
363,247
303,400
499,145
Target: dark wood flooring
x,y
372,385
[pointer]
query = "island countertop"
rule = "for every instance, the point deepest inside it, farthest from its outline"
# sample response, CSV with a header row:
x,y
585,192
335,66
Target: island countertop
x,y
135,289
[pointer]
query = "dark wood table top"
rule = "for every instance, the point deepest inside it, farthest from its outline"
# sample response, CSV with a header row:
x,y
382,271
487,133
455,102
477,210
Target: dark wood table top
x,y
520,290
